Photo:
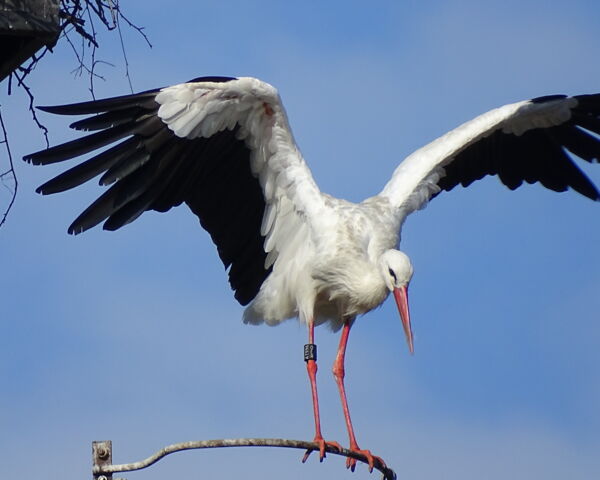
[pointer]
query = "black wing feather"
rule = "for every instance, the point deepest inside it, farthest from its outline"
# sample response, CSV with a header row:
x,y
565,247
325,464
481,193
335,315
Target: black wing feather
x,y
538,155
151,169
144,100
89,169
107,120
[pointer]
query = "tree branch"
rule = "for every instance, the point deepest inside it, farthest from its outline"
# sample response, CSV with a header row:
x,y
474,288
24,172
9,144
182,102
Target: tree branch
x,y
8,173
79,18
24,86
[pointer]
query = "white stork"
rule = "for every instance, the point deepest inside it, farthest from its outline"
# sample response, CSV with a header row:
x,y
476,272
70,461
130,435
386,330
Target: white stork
x,y
224,147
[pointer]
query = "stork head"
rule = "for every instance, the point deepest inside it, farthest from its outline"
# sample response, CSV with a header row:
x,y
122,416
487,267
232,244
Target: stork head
x,y
397,271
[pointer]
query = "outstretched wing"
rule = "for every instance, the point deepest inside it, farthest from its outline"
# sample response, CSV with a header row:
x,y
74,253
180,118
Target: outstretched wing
x,y
530,141
221,145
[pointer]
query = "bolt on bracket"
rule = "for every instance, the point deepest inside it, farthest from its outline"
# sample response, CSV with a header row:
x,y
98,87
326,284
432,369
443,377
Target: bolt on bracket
x,y
101,457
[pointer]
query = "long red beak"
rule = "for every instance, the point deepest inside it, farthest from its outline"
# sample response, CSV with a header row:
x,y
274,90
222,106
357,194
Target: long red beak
x,y
401,296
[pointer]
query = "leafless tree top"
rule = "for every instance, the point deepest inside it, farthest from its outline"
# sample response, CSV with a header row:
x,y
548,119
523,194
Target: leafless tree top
x,y
80,22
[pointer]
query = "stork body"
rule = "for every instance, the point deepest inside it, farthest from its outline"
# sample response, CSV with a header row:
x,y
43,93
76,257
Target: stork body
x,y
337,271
224,147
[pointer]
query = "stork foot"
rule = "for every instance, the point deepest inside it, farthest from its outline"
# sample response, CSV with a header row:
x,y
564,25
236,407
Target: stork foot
x,y
322,443
351,462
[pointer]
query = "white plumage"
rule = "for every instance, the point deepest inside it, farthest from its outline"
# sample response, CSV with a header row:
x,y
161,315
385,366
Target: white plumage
x,y
224,147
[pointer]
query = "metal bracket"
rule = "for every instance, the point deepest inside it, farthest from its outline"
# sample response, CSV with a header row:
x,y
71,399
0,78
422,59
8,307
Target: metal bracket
x,y
103,467
102,457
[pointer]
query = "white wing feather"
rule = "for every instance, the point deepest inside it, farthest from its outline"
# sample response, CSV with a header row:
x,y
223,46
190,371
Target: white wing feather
x,y
415,180
295,208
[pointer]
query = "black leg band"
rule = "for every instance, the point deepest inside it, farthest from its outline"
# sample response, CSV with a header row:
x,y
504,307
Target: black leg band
x,y
310,352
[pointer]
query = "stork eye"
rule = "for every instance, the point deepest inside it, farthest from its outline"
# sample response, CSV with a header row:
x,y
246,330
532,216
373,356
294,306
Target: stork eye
x,y
392,273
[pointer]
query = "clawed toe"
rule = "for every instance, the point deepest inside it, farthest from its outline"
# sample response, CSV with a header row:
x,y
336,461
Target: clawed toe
x,y
351,462
322,445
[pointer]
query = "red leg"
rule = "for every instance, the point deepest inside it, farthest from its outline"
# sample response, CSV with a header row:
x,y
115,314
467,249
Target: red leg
x,y
311,367
338,373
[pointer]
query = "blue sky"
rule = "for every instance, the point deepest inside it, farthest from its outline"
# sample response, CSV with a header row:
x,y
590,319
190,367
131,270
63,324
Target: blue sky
x,y
134,336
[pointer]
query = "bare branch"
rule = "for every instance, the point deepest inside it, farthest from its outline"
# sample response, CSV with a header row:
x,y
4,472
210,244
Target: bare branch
x,y
80,17
124,55
10,173
22,84
140,30
94,47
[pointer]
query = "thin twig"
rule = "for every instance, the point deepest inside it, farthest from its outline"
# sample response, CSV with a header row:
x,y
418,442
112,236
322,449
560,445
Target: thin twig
x,y
124,54
42,127
81,60
140,30
94,47
388,473
9,172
